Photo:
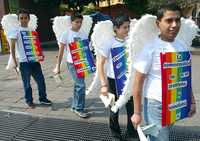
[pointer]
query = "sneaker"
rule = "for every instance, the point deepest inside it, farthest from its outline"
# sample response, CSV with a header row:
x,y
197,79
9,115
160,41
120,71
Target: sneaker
x,y
72,110
45,102
30,104
82,114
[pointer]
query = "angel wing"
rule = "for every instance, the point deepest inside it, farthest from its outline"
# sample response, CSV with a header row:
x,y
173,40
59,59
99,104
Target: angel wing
x,y
86,25
63,23
60,25
9,22
187,32
144,31
102,33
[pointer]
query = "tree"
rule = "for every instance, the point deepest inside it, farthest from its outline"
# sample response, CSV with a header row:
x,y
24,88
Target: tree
x,y
136,6
78,5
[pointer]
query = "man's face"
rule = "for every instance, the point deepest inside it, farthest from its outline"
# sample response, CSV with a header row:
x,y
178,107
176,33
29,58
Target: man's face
x,y
169,25
23,19
76,24
123,30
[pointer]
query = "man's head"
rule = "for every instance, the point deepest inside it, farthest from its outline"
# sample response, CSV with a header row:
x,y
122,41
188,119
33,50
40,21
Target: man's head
x,y
121,25
76,20
23,17
169,21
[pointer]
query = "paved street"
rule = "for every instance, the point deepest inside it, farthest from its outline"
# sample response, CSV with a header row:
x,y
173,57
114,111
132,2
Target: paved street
x,y
11,95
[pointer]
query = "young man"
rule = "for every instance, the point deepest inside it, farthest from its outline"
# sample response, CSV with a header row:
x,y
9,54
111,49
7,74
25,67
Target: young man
x,y
68,37
27,68
148,71
107,78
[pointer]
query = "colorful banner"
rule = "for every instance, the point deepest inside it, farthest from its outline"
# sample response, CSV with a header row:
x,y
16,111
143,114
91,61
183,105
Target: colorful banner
x,y
119,59
176,86
32,46
82,58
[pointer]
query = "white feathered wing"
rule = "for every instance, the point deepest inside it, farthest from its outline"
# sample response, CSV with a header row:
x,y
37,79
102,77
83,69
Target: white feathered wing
x,y
63,23
10,22
102,33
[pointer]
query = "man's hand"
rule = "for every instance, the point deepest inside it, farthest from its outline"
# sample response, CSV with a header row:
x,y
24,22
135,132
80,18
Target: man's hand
x,y
136,120
104,90
192,110
56,70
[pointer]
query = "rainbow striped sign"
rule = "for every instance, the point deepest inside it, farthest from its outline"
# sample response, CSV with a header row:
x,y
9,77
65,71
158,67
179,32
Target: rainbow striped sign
x,y
176,86
32,46
82,58
119,59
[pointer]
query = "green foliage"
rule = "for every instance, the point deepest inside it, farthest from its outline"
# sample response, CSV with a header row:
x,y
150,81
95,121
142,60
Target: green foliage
x,y
87,10
136,6
153,5
140,7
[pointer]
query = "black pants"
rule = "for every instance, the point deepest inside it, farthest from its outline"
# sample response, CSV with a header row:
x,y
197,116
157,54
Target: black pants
x,y
113,117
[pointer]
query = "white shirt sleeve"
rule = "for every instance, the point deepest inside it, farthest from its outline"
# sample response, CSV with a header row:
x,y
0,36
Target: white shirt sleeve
x,y
63,38
13,34
144,60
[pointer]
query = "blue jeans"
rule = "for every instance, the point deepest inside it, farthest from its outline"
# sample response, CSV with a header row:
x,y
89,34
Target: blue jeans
x,y
78,102
152,115
32,69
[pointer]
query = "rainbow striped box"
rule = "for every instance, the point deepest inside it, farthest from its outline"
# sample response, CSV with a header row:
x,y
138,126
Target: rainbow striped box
x,y
176,86
32,46
82,58
119,59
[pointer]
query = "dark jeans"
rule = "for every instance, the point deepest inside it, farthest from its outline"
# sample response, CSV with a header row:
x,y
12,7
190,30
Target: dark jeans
x,y
113,121
32,69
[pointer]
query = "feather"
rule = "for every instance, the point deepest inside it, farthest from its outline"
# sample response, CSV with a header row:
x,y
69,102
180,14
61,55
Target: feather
x,y
86,25
104,28
60,25
187,32
10,22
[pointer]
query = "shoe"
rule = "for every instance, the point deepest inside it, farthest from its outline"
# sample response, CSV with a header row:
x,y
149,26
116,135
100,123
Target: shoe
x,y
30,104
72,110
45,102
82,114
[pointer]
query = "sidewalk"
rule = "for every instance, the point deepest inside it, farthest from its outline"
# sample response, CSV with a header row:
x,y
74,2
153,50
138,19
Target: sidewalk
x,y
11,96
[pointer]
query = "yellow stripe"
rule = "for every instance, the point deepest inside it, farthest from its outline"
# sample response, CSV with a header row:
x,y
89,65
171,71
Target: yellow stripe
x,y
173,92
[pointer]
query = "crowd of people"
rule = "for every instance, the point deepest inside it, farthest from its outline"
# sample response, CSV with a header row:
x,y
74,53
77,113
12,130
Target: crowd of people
x,y
147,76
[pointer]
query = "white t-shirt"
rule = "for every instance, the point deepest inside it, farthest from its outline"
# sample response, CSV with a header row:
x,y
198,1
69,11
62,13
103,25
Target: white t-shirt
x,y
67,38
148,62
106,52
15,34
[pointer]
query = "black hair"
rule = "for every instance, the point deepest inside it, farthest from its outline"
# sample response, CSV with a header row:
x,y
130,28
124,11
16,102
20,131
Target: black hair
x,y
23,11
75,16
119,20
172,6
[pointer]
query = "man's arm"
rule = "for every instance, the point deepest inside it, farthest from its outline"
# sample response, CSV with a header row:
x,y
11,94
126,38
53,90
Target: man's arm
x,y
13,42
137,97
102,75
59,59
193,106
